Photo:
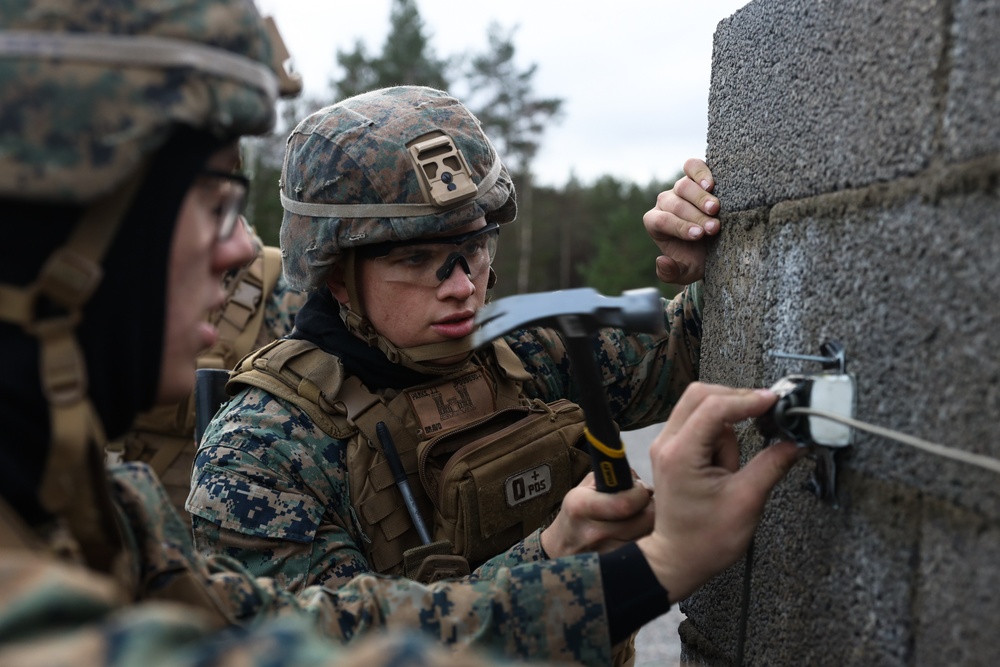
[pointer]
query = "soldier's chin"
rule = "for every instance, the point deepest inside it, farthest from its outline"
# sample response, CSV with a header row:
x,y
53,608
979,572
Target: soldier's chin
x,y
208,335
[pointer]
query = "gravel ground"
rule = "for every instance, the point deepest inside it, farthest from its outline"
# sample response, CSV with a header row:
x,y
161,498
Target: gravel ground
x,y
657,644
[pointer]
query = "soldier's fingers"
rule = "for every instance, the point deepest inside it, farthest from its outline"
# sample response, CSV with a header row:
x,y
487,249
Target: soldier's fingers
x,y
707,433
613,507
700,199
674,218
693,396
766,469
702,414
698,171
668,270
626,530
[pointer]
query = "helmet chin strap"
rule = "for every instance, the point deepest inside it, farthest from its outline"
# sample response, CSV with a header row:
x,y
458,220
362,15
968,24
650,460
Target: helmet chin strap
x,y
414,358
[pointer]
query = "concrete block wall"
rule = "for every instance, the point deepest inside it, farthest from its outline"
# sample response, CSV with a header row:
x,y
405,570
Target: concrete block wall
x,y
856,147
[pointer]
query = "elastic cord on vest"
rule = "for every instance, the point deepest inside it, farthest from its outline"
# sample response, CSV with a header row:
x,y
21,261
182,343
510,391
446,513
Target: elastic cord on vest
x,y
68,279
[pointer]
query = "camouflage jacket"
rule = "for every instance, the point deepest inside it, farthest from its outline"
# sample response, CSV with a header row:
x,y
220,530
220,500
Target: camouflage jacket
x,y
269,487
169,605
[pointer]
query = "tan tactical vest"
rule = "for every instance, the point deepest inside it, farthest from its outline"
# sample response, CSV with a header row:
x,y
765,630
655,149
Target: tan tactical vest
x,y
486,465
164,436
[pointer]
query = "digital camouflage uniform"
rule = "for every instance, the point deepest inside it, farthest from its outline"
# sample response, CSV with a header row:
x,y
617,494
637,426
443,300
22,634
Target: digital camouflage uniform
x,y
272,486
169,605
96,568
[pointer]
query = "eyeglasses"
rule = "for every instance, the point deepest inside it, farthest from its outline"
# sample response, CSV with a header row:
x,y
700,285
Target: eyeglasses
x,y
430,261
232,198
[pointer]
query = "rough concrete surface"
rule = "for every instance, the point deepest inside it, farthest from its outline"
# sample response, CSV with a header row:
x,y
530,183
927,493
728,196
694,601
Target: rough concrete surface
x,y
856,147
810,96
969,121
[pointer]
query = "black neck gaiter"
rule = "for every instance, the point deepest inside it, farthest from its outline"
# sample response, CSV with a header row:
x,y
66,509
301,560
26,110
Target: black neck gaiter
x,y
319,323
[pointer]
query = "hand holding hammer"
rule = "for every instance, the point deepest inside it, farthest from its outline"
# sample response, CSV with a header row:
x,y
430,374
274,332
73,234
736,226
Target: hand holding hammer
x,y
578,314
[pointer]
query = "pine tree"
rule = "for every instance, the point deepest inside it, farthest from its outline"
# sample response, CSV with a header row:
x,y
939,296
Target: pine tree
x,y
406,58
502,96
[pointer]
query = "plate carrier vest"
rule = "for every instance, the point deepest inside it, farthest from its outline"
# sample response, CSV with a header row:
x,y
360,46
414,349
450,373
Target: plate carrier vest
x,y
487,465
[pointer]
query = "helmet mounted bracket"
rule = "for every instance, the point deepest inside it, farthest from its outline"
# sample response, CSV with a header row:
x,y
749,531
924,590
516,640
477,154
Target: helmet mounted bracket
x,y
442,171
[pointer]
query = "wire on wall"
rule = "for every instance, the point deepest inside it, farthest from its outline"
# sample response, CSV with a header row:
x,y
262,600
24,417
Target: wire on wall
x,y
978,460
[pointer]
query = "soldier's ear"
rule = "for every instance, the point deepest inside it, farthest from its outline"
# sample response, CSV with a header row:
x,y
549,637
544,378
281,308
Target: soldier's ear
x,y
337,285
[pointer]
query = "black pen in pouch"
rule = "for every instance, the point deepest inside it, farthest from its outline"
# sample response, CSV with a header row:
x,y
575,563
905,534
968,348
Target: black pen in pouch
x,y
389,448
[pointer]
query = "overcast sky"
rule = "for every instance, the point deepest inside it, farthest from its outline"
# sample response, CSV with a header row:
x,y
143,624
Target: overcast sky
x,y
634,74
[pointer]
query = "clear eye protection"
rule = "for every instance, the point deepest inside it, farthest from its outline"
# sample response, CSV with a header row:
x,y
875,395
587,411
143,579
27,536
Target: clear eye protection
x,y
233,191
430,261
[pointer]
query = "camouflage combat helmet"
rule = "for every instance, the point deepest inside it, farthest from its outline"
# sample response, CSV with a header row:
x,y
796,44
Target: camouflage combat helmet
x,y
394,164
91,90
355,175
92,87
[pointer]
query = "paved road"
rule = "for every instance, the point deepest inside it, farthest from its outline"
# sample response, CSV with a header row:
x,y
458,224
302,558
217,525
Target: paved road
x,y
657,644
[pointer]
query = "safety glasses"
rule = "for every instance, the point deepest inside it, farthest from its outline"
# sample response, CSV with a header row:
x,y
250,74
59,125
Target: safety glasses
x,y
429,261
231,198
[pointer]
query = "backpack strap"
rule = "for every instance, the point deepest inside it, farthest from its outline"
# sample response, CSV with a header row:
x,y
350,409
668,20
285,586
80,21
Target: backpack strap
x,y
299,372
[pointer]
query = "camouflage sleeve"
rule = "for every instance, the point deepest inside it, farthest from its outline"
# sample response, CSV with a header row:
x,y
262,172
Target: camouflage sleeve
x,y
55,614
269,492
643,375
528,550
269,489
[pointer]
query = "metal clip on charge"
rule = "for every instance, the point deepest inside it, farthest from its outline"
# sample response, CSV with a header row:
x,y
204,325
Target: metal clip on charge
x,y
832,391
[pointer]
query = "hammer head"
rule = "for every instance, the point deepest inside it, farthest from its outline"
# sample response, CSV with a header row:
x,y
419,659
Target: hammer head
x,y
574,313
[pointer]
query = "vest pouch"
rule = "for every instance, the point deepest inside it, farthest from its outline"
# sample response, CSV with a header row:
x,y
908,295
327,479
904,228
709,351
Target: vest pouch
x,y
496,480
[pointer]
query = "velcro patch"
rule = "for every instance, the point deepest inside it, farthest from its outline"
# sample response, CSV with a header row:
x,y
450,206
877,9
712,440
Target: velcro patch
x,y
524,486
452,404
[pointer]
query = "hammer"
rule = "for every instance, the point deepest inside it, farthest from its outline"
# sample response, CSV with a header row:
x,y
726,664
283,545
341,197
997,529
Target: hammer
x,y
577,314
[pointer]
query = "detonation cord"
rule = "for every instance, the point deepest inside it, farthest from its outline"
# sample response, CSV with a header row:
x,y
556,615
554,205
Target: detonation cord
x,y
978,460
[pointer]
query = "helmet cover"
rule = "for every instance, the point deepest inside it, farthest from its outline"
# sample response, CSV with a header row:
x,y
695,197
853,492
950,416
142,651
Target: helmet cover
x,y
348,167
89,88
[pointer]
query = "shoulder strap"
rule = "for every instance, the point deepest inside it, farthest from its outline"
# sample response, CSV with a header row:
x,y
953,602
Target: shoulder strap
x,y
265,269
302,374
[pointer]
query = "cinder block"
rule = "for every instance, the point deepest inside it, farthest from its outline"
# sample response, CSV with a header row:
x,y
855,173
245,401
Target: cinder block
x,y
971,123
734,294
857,153
829,587
959,589
905,288
894,273
810,97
